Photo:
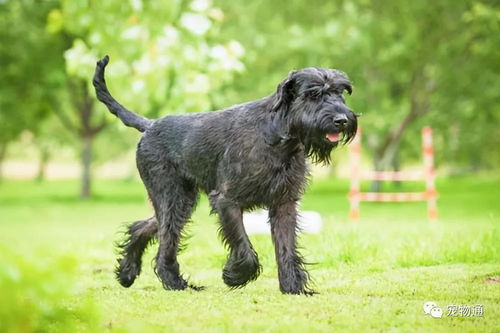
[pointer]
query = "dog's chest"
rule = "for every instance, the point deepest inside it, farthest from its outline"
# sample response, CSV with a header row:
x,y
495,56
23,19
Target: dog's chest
x,y
263,178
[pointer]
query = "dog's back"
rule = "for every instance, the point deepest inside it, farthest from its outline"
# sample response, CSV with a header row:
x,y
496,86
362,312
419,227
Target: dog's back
x,y
199,145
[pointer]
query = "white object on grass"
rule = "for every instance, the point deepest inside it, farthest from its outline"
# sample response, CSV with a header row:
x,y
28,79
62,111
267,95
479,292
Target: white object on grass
x,y
257,222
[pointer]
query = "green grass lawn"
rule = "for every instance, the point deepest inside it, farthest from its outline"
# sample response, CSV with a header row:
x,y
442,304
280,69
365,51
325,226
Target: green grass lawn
x,y
57,259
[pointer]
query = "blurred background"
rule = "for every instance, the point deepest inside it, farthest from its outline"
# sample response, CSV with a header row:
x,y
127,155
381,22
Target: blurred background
x,y
411,64
67,168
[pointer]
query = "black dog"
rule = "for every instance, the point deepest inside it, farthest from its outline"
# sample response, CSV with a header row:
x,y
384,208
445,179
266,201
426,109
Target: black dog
x,y
247,156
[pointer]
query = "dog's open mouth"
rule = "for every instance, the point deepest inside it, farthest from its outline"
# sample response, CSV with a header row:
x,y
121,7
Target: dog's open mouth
x,y
333,137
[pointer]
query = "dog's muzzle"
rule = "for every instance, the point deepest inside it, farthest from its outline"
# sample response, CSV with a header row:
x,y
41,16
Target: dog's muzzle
x,y
340,122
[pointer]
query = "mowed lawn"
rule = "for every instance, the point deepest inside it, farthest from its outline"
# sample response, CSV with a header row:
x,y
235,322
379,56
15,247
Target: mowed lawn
x,y
57,260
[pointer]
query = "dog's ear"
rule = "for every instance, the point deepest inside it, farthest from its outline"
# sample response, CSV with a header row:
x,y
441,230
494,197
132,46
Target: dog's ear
x,y
284,94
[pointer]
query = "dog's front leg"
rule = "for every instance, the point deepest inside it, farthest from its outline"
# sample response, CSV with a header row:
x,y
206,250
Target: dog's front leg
x,y
291,272
242,265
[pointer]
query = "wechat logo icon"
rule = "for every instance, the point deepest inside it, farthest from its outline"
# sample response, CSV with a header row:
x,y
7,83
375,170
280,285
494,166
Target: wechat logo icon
x,y
431,308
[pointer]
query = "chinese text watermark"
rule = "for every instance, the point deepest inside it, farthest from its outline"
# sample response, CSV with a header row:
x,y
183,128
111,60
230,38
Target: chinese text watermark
x,y
432,309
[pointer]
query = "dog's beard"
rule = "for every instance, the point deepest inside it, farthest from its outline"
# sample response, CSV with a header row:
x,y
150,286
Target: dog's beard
x,y
318,150
318,145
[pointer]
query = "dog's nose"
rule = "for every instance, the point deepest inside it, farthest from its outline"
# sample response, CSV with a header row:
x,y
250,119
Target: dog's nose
x,y
340,120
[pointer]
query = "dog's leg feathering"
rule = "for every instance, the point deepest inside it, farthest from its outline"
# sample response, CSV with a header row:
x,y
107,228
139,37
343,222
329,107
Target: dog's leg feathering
x,y
138,236
292,275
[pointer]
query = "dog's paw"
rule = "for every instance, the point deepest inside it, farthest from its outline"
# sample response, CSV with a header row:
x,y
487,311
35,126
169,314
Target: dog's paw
x,y
295,280
177,284
171,279
238,272
301,291
126,273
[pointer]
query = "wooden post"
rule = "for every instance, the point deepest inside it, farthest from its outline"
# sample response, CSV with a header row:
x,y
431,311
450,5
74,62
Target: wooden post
x,y
355,161
429,174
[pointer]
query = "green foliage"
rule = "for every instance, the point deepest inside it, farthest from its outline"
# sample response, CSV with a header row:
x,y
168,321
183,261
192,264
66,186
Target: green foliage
x,y
472,98
37,294
164,58
31,66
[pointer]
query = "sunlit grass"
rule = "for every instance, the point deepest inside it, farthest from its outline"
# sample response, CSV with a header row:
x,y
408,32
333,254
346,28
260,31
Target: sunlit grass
x,y
374,275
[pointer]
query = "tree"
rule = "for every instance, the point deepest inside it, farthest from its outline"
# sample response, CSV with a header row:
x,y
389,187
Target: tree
x,y
470,82
31,68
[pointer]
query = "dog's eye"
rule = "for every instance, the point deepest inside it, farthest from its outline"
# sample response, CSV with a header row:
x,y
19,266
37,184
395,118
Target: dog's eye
x,y
316,95
313,94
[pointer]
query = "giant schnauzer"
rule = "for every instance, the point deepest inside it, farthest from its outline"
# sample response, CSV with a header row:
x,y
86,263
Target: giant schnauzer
x,y
247,156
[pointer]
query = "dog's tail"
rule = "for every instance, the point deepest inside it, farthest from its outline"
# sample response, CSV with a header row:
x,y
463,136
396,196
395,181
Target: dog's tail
x,y
138,236
126,116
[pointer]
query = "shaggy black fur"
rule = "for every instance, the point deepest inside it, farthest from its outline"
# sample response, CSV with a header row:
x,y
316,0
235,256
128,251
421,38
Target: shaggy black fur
x,y
247,156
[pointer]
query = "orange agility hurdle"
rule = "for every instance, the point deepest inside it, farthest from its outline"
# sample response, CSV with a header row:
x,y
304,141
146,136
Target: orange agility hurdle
x,y
427,175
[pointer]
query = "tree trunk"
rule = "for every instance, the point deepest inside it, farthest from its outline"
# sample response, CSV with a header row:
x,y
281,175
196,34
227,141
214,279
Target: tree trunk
x,y
396,166
420,88
376,185
387,152
3,153
83,106
42,166
86,166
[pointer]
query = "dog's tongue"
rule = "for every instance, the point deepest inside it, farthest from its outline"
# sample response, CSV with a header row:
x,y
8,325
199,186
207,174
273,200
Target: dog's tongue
x,y
333,137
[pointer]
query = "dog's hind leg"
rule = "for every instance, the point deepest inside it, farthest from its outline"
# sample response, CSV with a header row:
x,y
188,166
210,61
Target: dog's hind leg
x,y
173,209
291,272
242,265
138,236
173,198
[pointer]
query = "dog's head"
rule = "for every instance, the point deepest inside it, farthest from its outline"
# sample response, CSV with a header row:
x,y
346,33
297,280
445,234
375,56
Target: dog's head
x,y
309,105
